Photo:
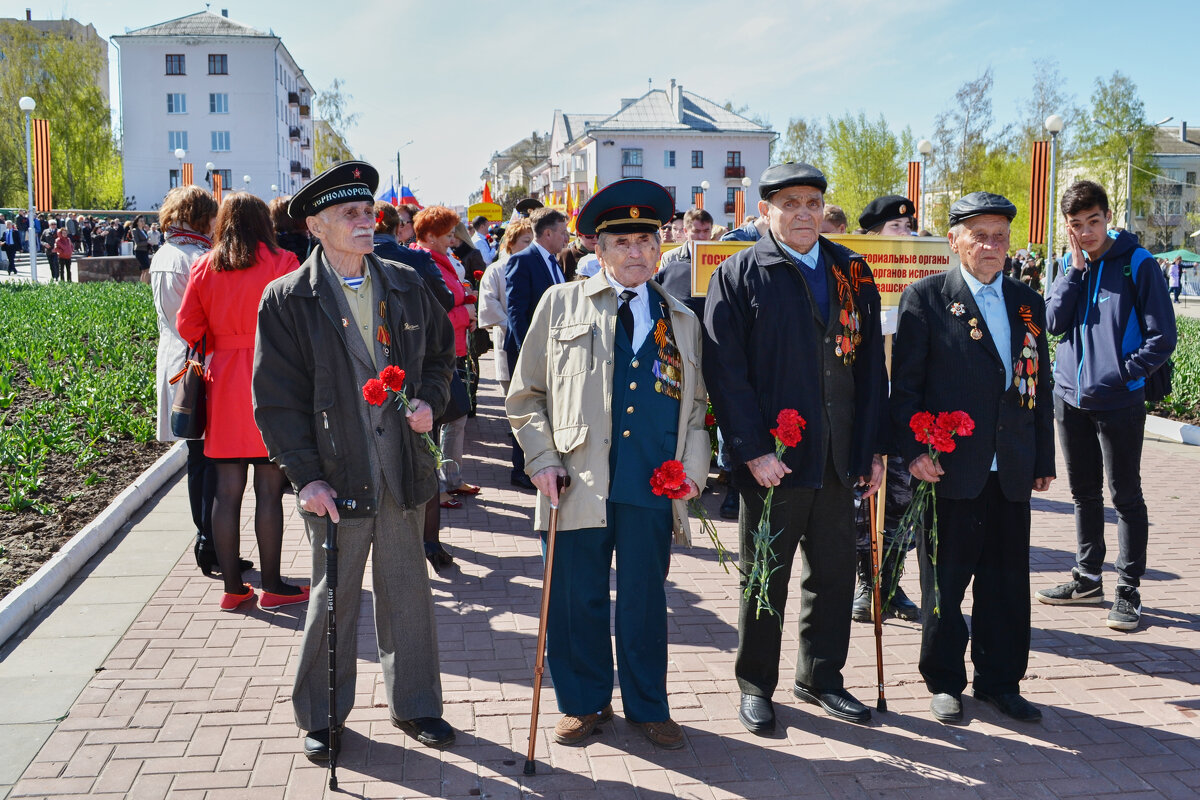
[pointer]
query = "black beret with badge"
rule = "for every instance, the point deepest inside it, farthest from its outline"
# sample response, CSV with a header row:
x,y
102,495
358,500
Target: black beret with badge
x,y
884,209
793,173
633,205
977,204
527,205
346,182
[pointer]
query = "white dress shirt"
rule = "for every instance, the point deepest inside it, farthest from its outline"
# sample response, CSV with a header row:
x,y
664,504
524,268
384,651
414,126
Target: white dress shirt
x,y
640,306
551,261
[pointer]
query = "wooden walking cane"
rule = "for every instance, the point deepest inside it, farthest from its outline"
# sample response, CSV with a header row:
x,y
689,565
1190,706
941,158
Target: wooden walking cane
x,y
877,606
563,481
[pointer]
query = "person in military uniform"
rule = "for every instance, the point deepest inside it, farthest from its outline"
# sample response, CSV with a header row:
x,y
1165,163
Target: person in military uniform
x,y
970,339
890,215
793,323
606,389
324,330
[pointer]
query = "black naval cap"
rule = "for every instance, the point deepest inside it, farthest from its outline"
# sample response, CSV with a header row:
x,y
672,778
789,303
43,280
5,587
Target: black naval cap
x,y
346,182
793,173
978,203
884,209
528,204
629,206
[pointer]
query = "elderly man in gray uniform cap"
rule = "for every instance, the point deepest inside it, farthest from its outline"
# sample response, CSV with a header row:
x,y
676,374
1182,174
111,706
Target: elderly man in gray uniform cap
x,y
972,340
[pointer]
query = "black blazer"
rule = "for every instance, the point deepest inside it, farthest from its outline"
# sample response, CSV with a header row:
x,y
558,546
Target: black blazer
x,y
526,277
937,366
675,275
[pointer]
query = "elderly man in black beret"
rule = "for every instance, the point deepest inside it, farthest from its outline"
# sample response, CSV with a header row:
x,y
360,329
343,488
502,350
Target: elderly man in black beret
x,y
793,323
972,340
324,331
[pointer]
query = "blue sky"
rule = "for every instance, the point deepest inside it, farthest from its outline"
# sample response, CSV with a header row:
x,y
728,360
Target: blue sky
x,y
462,79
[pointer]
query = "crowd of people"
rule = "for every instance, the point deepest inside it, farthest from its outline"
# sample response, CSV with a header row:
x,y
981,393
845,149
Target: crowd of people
x,y
345,337
64,237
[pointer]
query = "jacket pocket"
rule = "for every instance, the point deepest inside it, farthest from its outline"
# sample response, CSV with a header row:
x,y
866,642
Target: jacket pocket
x,y
569,437
571,349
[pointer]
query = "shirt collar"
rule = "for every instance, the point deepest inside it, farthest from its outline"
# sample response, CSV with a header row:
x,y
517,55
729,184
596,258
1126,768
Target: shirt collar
x,y
546,254
640,291
974,284
808,259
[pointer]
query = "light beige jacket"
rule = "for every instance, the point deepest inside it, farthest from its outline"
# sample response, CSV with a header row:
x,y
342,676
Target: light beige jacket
x,y
560,400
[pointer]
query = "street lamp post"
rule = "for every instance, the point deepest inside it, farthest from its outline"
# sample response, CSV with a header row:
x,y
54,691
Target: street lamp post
x,y
27,105
704,192
180,153
745,188
246,182
208,171
1054,123
924,147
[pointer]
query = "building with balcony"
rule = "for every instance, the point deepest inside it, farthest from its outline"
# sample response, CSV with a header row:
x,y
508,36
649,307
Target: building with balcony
x,y
223,92
1174,191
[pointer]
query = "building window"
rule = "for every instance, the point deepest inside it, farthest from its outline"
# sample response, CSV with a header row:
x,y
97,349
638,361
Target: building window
x,y
177,103
631,162
175,65
696,190
733,158
173,180
218,64
731,193
218,103
1191,178
176,140
671,191
220,141
697,159
668,158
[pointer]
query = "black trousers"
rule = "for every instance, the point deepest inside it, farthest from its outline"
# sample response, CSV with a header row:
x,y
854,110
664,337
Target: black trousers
x,y
1095,442
202,490
987,539
820,523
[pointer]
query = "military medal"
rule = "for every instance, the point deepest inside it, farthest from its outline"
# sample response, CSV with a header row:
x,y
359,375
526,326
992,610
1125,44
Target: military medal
x,y
976,334
958,309
345,322
668,367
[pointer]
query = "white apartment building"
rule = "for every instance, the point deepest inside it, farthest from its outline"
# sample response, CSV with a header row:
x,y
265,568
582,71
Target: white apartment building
x,y
223,92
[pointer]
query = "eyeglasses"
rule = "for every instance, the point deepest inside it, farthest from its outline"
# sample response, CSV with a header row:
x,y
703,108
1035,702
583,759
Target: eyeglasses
x,y
404,222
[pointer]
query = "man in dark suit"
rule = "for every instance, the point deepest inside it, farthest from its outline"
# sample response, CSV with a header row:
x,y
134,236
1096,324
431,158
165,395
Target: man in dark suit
x,y
675,271
970,339
527,276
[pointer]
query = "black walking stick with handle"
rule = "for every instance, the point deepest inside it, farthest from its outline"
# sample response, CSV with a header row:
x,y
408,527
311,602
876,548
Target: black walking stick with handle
x,y
563,481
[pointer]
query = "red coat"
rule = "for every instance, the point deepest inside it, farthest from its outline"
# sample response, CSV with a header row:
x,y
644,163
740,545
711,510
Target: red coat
x,y
224,307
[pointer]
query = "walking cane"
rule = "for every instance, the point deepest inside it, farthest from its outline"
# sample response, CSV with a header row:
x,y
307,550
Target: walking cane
x,y
877,606
331,572
563,481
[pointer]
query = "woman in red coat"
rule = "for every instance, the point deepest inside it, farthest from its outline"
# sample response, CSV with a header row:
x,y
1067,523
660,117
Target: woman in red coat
x,y
220,311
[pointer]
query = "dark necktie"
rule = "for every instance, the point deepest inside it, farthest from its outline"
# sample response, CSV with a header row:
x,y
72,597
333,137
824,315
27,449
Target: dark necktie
x,y
625,313
556,271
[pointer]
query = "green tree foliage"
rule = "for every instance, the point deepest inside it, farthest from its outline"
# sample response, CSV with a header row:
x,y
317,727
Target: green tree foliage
x,y
60,73
329,143
863,159
1049,96
803,141
1115,122
508,201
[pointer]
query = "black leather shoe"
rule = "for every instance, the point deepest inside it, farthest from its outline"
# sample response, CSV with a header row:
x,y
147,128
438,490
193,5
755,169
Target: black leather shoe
x,y
316,745
1012,705
840,704
904,608
429,731
521,481
757,714
946,708
729,506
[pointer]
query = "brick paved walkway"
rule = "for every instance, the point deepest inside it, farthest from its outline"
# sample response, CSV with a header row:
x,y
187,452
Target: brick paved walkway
x,y
194,703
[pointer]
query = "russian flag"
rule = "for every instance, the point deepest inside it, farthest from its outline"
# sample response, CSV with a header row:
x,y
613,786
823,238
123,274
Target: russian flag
x,y
389,195
406,196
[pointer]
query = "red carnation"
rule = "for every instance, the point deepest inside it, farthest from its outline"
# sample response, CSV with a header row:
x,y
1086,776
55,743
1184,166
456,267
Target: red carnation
x,y
374,392
943,441
923,424
670,479
392,377
791,427
709,420
957,422
478,275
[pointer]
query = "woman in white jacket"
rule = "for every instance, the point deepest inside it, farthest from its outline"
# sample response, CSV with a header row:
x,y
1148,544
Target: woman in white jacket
x,y
493,313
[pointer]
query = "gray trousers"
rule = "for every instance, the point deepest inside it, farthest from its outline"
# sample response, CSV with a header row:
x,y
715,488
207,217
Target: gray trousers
x,y
404,625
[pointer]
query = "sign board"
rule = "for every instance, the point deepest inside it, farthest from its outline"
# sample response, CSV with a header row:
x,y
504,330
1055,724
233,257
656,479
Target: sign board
x,y
895,261
489,211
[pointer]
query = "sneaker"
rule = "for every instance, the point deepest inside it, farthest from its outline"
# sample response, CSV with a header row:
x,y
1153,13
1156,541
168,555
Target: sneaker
x,y
1126,611
1080,590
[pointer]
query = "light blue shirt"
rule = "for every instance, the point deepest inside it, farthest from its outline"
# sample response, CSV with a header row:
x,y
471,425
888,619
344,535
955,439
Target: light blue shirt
x,y
990,299
808,259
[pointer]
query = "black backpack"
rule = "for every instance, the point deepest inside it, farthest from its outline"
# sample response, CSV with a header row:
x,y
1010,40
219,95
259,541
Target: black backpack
x,y
1158,382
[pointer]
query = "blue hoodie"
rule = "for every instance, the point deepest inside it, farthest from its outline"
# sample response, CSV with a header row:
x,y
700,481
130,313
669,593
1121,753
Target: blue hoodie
x,y
1103,359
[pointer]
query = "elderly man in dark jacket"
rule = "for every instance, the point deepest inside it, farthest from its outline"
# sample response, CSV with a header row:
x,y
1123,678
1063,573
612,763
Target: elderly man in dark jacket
x,y
323,332
793,323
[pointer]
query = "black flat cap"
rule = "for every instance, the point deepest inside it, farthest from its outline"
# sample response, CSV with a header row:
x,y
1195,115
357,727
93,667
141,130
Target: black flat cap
x,y
793,173
978,203
528,204
884,209
629,206
347,182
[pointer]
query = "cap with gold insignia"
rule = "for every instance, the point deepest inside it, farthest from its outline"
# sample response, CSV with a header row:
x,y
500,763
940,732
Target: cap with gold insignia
x,y
793,173
884,209
977,204
347,182
633,205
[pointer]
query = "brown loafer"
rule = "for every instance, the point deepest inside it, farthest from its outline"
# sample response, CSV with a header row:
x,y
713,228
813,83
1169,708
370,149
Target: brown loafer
x,y
572,730
667,734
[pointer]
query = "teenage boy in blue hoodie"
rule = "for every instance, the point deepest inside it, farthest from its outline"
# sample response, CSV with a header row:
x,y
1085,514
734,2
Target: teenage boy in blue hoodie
x,y
1101,367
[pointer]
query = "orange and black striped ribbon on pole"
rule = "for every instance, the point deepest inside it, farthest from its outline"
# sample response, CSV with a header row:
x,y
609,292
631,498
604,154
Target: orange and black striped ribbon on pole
x,y
216,181
1039,192
739,207
185,178
914,188
698,200
41,165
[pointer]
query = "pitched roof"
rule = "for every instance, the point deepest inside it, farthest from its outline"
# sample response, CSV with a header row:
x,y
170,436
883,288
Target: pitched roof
x,y
653,111
1167,142
202,23
575,125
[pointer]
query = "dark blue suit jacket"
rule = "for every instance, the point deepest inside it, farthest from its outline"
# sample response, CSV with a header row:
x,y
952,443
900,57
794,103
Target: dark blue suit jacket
x,y
527,277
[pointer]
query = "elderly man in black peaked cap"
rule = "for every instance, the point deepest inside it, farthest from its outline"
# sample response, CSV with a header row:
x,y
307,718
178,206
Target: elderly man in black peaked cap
x,y
323,332
970,339
793,323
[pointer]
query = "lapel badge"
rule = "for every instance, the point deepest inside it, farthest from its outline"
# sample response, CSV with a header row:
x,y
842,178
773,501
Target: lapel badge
x,y
345,322
357,173
958,309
